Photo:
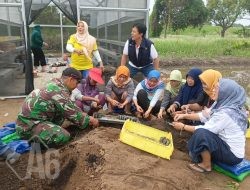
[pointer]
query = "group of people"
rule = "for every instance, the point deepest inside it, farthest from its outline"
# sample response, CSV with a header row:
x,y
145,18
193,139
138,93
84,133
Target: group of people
x,y
203,103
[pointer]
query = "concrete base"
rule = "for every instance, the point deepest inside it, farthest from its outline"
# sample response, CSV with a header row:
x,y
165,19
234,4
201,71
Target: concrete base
x,y
8,78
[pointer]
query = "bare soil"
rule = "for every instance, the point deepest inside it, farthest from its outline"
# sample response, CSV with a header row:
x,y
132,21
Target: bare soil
x,y
96,159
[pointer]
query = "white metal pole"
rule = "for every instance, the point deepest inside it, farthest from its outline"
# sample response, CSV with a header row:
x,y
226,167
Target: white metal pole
x,y
78,9
61,27
147,18
24,23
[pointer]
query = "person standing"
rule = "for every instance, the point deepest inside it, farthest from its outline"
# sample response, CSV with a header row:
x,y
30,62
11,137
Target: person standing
x,y
36,47
83,47
140,52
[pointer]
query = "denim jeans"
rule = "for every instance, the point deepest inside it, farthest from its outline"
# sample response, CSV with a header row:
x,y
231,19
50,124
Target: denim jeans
x,y
144,70
85,73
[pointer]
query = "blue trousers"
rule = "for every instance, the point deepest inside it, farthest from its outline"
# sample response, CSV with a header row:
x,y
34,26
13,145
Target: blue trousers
x,y
202,140
144,70
85,73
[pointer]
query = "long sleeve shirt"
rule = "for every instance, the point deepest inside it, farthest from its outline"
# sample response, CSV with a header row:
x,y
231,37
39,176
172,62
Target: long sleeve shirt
x,y
223,125
51,103
157,95
111,87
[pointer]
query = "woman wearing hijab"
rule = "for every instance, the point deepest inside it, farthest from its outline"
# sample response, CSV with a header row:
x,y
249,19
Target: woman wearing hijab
x,y
189,91
171,91
119,90
87,95
222,137
83,47
148,95
209,79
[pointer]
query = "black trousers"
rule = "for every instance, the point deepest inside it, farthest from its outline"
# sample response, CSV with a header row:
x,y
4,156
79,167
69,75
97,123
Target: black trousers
x,y
39,57
144,102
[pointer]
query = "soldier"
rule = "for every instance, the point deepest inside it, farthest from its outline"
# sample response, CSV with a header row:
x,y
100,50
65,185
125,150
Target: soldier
x,y
45,109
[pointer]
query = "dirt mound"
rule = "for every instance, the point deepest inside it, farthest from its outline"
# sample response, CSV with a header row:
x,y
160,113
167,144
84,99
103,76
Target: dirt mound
x,y
213,62
98,160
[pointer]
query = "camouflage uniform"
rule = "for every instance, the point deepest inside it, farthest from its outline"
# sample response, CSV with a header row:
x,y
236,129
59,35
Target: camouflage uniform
x,y
44,111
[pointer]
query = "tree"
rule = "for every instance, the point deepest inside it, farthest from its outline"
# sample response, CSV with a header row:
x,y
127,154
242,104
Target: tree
x,y
155,25
193,14
248,6
224,13
177,14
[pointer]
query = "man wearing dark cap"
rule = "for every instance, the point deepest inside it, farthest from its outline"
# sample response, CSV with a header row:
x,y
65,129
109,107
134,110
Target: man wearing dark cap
x,y
44,110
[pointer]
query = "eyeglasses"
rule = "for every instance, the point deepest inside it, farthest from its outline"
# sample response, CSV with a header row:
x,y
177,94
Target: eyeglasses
x,y
123,77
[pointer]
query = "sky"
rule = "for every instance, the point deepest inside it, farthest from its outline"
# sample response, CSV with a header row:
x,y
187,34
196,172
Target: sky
x,y
244,22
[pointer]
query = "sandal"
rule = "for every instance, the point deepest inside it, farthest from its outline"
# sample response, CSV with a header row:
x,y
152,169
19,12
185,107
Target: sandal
x,y
196,167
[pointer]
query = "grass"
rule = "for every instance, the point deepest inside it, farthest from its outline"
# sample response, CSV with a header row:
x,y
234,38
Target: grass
x,y
193,43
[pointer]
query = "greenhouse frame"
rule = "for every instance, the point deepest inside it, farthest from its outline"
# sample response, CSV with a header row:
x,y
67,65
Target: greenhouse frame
x,y
110,21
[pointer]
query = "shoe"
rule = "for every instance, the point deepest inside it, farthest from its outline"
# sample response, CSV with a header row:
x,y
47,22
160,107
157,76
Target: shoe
x,y
196,167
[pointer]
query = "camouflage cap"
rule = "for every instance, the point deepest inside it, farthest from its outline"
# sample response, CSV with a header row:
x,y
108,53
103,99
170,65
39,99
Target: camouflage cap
x,y
71,72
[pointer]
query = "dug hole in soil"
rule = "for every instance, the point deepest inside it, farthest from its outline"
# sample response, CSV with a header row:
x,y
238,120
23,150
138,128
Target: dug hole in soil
x,y
96,159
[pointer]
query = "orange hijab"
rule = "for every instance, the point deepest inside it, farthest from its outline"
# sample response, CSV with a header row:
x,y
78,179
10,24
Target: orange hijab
x,y
210,77
121,70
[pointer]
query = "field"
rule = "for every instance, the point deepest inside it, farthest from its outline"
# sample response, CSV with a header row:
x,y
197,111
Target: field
x,y
203,43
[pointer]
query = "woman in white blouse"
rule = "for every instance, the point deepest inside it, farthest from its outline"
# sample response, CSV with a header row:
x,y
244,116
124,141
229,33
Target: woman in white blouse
x,y
222,137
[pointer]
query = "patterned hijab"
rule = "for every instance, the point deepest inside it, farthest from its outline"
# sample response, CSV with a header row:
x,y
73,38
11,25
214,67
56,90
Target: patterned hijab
x,y
85,39
152,74
210,77
231,98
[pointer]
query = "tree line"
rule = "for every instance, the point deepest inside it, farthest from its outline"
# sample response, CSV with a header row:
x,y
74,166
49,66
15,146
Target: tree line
x,y
179,14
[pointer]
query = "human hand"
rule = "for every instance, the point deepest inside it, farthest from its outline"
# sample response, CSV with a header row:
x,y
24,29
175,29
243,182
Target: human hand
x,y
178,117
171,109
185,108
146,114
160,115
102,66
94,104
93,122
121,105
139,109
178,125
79,52
97,100
114,103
